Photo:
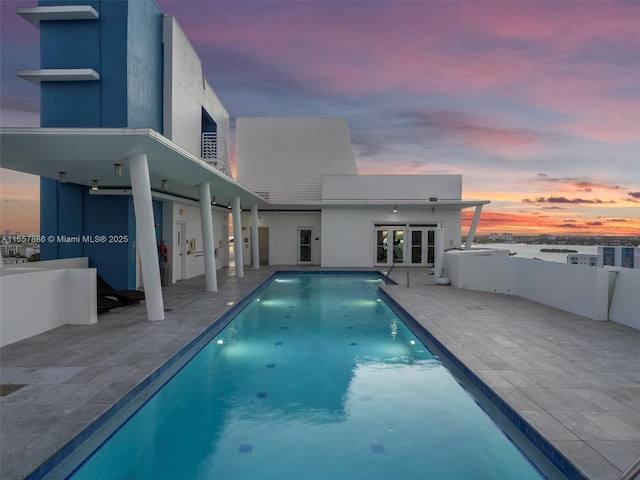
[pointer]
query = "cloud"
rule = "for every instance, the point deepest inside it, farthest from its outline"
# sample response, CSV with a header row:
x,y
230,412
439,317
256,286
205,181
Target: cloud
x,y
570,225
594,224
473,130
580,184
574,201
635,195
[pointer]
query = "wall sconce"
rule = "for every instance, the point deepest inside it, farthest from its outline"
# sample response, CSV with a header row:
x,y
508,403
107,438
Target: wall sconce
x,y
213,200
228,204
117,169
62,177
165,184
395,210
94,185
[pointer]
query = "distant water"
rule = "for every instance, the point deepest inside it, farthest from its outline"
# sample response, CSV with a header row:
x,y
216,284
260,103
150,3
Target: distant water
x,y
525,250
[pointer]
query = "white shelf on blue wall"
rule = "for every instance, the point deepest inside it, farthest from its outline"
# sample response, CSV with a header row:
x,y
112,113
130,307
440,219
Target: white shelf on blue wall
x,y
35,15
59,75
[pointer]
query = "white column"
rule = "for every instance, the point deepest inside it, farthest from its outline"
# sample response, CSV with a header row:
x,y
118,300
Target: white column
x,y
472,228
438,264
208,243
145,235
255,246
238,243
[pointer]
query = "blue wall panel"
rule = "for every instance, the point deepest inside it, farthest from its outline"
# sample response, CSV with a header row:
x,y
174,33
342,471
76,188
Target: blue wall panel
x,y
113,63
108,217
48,217
70,208
70,104
145,65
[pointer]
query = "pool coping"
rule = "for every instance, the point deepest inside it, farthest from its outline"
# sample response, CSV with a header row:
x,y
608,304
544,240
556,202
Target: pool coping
x,y
141,393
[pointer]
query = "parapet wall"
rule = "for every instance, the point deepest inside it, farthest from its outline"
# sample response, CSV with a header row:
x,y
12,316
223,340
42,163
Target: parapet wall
x,y
595,293
34,301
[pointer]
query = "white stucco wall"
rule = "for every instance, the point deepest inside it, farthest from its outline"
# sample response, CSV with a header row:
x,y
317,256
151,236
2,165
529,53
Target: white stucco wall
x,y
579,289
186,92
283,235
391,187
625,304
195,258
33,301
348,238
273,152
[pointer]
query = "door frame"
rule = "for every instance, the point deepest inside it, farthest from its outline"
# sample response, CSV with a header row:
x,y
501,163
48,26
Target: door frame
x,y
299,245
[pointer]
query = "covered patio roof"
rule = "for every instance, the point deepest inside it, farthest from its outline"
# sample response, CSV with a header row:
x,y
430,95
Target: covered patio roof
x,y
85,155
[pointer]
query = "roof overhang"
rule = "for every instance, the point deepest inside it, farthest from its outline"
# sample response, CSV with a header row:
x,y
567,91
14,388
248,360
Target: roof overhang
x,y
440,204
85,155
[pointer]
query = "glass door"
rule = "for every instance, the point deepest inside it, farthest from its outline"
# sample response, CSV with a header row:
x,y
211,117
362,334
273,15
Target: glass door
x,y
422,246
417,247
431,242
398,245
304,245
382,246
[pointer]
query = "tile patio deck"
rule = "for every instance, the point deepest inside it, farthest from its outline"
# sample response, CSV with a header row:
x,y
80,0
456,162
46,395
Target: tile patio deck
x,y
575,380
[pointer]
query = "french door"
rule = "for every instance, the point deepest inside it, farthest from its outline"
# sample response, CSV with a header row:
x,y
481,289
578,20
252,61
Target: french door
x,y
422,246
415,244
389,245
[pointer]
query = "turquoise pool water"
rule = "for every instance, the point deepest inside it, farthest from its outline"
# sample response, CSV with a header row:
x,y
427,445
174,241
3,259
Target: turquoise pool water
x,y
316,378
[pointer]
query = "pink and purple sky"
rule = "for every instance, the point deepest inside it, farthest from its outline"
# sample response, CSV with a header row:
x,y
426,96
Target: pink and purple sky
x,y
536,104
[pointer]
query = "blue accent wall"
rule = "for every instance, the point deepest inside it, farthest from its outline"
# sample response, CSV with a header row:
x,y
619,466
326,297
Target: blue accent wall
x,y
145,62
124,45
108,216
48,216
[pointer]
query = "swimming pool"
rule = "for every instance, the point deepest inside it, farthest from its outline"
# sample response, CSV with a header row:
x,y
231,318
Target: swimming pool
x,y
316,378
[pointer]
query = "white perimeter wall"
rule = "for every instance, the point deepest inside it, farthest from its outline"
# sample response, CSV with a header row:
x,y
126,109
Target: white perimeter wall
x,y
35,301
348,238
77,262
625,302
283,236
186,91
579,289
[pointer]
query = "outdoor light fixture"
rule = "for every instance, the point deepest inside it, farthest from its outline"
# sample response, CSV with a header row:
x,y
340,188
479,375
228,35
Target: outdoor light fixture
x,y
395,210
165,184
62,177
228,204
213,200
94,185
117,169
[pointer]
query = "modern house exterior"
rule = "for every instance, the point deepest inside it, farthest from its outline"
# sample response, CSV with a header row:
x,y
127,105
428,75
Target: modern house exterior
x,y
133,149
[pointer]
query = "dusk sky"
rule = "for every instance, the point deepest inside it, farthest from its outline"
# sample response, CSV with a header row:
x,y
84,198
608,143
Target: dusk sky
x,y
536,104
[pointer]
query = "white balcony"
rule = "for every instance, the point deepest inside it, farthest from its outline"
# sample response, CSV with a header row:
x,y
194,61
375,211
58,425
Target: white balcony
x,y
214,150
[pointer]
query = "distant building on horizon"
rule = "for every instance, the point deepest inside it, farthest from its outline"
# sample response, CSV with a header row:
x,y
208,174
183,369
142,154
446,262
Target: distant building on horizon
x,y
612,256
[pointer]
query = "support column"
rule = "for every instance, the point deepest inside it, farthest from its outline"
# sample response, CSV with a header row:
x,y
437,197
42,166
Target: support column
x,y
255,245
438,264
146,236
208,243
472,228
238,243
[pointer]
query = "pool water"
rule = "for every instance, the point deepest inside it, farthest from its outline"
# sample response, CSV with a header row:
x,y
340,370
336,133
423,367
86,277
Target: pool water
x,y
316,378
